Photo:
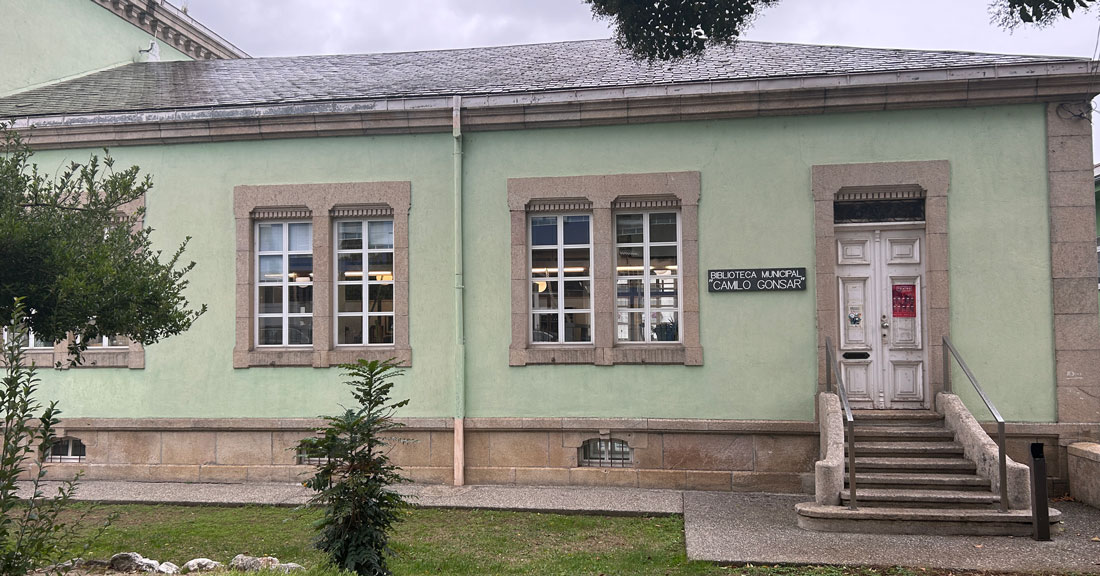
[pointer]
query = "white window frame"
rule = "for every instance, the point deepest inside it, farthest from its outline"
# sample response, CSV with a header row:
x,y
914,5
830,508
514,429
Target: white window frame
x,y
606,453
286,253
561,310
647,276
68,457
365,251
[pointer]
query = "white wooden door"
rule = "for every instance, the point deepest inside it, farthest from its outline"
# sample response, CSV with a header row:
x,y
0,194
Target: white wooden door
x,y
880,280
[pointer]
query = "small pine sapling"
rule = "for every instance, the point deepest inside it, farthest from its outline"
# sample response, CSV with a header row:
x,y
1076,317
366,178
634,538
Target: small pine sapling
x,y
354,473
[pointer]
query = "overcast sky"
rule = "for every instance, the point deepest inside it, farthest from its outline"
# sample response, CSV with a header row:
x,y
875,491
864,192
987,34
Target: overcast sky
x,y
298,27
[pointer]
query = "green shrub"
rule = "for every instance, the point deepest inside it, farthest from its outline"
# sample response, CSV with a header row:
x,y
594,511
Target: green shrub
x,y
352,483
32,533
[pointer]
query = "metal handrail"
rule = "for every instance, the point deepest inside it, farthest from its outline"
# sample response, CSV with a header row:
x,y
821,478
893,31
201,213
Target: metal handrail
x,y
831,368
1003,461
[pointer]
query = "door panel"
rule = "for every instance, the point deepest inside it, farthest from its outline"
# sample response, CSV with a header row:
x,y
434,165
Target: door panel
x,y
880,290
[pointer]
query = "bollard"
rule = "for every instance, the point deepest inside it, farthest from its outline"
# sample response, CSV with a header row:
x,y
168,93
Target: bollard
x,y
1040,510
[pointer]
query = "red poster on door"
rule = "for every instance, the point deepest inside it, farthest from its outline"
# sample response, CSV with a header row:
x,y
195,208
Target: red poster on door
x,y
905,301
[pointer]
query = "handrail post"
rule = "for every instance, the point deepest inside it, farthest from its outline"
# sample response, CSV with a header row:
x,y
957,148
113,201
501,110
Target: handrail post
x,y
1003,465
828,368
946,367
852,504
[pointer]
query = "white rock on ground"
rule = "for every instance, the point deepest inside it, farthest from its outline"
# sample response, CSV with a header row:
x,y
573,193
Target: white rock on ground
x,y
168,568
288,567
246,563
202,565
132,562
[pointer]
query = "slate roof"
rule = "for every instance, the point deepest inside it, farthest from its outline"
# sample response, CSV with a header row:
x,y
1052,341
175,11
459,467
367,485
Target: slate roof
x,y
159,86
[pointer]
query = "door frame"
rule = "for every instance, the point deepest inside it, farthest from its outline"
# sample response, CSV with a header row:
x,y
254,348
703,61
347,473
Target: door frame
x,y
884,180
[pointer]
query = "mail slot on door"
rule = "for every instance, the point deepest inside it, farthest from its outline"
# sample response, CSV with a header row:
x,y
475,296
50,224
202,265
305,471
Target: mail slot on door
x,y
856,355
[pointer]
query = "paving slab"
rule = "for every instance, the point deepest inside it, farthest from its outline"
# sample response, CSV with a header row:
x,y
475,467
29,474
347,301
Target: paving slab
x,y
572,499
734,528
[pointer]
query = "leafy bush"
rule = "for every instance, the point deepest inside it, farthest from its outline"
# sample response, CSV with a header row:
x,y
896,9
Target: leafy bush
x,y
353,479
32,535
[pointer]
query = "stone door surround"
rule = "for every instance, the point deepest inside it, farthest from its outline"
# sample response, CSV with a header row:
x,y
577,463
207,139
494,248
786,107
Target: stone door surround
x,y
933,178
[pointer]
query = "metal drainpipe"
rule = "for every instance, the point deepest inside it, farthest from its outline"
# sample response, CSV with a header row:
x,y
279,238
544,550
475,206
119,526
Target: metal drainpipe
x,y
460,335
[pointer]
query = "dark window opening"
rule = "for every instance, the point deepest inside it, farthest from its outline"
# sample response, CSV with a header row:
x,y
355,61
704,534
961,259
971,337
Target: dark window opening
x,y
852,212
67,450
602,453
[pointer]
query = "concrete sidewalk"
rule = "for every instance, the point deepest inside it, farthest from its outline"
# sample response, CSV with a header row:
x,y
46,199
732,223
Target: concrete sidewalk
x,y
723,527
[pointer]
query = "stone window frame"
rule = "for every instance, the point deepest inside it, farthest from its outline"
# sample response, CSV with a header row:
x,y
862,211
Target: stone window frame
x,y
323,205
933,178
602,196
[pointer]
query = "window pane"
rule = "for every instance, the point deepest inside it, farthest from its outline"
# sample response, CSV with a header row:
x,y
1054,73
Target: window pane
x,y
350,298
662,260
381,267
301,268
630,326
577,295
544,263
380,329
576,262
544,231
349,330
271,331
349,267
271,237
381,297
60,448
628,229
544,328
349,235
299,331
575,230
630,262
662,227
578,327
271,269
662,293
117,340
544,295
630,293
77,448
301,237
665,327
381,235
301,299
270,300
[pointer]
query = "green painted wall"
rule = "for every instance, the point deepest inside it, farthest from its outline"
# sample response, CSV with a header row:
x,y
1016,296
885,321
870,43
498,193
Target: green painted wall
x,y
48,40
756,211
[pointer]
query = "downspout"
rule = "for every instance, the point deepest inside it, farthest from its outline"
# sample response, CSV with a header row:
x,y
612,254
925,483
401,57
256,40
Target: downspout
x,y
460,335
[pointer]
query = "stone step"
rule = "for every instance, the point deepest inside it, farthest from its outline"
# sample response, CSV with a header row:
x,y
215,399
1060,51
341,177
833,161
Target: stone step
x,y
908,449
901,498
909,418
886,520
903,434
915,465
921,481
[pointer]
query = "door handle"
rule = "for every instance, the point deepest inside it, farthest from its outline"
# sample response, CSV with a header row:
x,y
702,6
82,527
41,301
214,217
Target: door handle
x,y
885,324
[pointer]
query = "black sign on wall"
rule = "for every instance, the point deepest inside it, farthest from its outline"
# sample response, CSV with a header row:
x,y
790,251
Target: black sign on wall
x,y
756,280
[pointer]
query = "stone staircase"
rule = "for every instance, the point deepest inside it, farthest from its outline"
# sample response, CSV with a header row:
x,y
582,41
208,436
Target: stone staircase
x,y
913,477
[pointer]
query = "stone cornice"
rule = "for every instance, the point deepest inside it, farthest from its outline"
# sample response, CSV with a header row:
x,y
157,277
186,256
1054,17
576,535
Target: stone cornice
x,y
173,27
993,85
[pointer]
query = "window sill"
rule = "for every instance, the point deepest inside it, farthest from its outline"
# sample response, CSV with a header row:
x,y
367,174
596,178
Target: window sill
x,y
296,356
675,354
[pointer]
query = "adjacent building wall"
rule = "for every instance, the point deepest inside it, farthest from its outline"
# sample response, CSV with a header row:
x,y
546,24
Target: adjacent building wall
x,y
48,40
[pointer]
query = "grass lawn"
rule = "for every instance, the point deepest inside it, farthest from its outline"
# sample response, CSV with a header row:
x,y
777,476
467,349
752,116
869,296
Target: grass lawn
x,y
434,542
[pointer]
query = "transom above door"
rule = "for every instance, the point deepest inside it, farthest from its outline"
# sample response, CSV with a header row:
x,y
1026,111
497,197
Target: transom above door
x,y
881,293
